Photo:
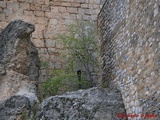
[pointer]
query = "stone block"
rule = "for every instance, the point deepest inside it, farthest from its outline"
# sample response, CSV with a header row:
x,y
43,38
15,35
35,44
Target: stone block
x,y
66,4
51,31
86,17
42,50
61,28
38,42
101,6
65,15
81,11
53,21
52,15
28,13
58,65
25,6
38,34
42,20
46,2
35,35
88,11
94,17
96,6
39,27
91,6
68,21
48,34
39,13
54,9
32,19
21,1
35,6
59,45
82,1
72,10
13,5
76,4
2,17
50,43
45,8
73,16
79,17
7,11
3,4
51,51
51,65
29,1
62,9
84,6
55,3
96,11
97,1
43,72
39,1
48,14
10,18
1,10
19,13
86,1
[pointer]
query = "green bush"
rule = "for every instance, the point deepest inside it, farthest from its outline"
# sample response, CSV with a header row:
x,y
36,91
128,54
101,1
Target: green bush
x,y
80,47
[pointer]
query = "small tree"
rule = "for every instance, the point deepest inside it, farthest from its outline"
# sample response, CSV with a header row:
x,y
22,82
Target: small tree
x,y
81,43
79,56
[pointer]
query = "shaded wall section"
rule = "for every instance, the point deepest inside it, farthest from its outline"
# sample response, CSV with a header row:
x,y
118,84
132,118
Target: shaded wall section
x,y
50,18
130,52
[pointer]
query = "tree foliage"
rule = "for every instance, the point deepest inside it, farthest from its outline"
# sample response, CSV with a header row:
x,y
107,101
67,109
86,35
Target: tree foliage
x,y
81,42
80,53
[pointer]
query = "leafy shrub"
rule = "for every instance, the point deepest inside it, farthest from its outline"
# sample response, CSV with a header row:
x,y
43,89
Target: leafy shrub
x,y
80,53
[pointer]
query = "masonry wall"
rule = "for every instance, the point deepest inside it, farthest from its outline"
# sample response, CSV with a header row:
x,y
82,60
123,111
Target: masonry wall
x,y
50,18
130,52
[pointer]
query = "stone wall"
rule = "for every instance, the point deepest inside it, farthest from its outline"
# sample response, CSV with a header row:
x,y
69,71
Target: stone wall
x,y
130,52
50,17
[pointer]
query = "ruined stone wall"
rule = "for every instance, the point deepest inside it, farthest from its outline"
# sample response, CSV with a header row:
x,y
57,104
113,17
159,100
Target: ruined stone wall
x,y
50,17
130,52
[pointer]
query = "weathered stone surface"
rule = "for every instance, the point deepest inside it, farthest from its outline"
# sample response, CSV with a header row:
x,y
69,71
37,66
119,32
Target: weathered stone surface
x,y
130,52
19,63
14,108
90,104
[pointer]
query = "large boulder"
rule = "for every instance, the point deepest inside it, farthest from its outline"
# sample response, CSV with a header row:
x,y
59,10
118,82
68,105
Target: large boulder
x,y
90,104
19,63
15,108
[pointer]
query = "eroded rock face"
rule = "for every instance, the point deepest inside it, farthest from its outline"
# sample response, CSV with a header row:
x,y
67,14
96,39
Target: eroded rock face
x,y
19,63
15,108
90,104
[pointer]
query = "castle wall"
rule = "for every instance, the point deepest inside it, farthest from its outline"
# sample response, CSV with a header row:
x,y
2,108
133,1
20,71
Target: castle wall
x,y
130,52
50,18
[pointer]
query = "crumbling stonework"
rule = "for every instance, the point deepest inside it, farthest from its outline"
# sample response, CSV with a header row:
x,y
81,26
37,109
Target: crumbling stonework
x,y
50,18
130,52
19,63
